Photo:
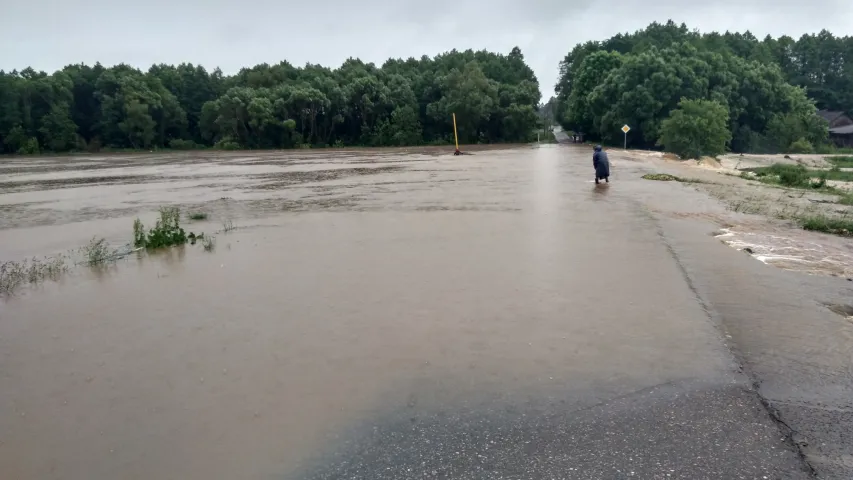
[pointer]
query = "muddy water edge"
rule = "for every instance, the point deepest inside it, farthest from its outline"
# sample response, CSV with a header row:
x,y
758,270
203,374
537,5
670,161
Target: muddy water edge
x,y
391,313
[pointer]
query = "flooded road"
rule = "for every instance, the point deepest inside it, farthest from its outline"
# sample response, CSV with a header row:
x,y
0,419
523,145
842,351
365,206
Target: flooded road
x,y
393,314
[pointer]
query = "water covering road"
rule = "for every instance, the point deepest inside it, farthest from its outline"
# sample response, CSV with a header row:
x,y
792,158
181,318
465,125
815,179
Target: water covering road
x,y
485,316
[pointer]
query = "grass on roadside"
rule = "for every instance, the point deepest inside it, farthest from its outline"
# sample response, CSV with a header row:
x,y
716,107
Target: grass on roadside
x,y
836,174
827,224
787,175
799,176
808,216
844,161
846,199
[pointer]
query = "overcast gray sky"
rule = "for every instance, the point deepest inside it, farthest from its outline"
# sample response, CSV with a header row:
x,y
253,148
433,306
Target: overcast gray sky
x,y
48,34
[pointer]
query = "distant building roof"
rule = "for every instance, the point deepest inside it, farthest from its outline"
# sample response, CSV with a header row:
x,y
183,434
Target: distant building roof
x,y
829,115
845,130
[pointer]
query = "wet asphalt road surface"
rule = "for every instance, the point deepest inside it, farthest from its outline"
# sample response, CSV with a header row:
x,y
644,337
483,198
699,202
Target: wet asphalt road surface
x,y
491,316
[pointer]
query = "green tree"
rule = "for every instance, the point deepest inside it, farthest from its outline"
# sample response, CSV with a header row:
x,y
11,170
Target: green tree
x,y
696,128
403,102
138,125
471,96
592,72
766,84
58,129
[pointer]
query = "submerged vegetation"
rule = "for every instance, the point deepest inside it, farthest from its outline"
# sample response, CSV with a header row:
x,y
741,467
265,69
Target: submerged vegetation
x,y
167,231
836,221
665,177
837,225
814,218
208,243
402,102
14,274
98,252
661,177
32,271
787,175
798,176
843,161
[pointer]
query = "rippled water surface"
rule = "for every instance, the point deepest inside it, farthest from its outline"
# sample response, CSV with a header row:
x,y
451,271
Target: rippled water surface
x,y
355,284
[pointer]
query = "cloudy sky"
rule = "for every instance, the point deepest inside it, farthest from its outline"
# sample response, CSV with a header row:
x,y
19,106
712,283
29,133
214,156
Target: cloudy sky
x,y
48,34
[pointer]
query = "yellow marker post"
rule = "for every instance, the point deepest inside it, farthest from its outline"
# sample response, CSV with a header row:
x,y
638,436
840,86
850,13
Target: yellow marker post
x,y
455,136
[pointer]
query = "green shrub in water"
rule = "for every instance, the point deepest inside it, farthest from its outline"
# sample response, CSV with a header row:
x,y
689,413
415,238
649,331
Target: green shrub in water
x,y
98,252
15,274
181,144
138,234
208,243
166,232
227,144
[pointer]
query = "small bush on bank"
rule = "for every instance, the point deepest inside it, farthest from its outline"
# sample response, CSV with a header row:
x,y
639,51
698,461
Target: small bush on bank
x,y
181,144
227,144
801,146
823,223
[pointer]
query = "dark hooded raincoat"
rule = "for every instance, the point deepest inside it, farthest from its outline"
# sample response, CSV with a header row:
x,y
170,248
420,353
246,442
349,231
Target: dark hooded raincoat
x,y
601,163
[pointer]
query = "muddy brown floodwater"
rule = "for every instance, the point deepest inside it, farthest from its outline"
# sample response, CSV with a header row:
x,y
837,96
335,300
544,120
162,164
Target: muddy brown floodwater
x,y
408,314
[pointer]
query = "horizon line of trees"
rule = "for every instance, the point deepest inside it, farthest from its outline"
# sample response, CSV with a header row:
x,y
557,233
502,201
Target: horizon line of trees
x,y
703,94
403,102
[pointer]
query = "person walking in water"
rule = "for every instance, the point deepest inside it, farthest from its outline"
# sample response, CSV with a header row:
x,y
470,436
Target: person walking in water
x,y
601,164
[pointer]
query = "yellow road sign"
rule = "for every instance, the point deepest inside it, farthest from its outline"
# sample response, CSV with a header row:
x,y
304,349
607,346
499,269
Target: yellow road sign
x,y
626,129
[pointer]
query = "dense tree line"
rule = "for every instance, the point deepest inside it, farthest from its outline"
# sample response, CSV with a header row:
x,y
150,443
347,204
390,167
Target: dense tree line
x,y
766,90
403,102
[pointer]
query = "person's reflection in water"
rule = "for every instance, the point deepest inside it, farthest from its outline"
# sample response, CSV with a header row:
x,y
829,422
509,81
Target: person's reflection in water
x,y
599,191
